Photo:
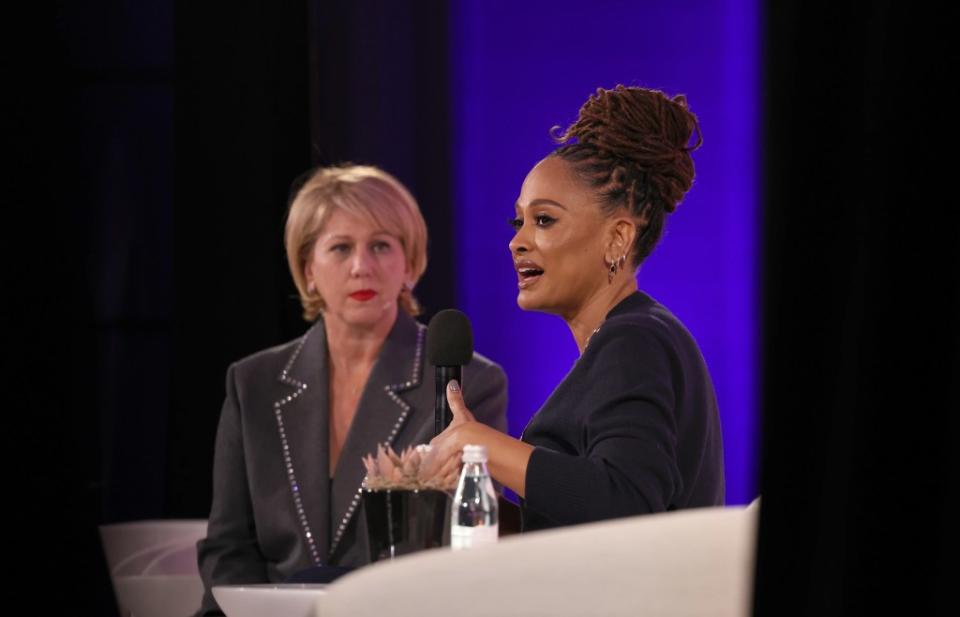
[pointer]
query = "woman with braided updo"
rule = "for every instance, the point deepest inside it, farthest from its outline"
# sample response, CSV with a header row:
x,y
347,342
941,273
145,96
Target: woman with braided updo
x,y
633,428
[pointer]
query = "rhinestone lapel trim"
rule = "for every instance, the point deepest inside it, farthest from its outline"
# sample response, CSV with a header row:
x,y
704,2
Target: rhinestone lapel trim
x,y
287,459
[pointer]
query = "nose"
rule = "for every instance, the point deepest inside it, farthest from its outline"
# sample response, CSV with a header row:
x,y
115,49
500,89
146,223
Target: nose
x,y
520,242
362,264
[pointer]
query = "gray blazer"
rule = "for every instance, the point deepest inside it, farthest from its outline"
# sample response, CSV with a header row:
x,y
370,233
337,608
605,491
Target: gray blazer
x,y
277,506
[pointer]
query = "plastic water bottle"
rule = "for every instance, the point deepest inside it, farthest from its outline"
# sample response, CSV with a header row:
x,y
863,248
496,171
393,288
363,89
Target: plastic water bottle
x,y
474,511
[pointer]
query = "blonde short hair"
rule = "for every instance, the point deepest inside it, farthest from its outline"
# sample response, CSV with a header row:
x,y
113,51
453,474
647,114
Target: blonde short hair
x,y
363,191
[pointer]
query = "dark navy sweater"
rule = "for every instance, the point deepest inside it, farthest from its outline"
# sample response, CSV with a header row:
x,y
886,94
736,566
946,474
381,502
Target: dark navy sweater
x,y
632,429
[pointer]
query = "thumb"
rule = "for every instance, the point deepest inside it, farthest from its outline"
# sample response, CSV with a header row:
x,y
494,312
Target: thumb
x,y
457,406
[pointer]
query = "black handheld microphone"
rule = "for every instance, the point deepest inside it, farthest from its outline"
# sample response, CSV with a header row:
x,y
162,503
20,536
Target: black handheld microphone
x,y
449,347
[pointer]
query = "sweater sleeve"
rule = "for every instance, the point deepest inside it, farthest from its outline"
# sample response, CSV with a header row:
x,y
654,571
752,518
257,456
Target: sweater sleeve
x,y
624,403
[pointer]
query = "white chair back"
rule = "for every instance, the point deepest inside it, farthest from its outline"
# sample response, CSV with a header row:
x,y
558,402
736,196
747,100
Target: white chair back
x,y
688,563
153,566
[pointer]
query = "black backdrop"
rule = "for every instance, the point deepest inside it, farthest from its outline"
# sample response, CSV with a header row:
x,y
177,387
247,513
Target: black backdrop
x,y
861,287
153,148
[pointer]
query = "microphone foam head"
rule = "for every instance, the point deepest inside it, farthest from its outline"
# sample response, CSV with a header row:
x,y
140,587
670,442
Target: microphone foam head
x,y
449,339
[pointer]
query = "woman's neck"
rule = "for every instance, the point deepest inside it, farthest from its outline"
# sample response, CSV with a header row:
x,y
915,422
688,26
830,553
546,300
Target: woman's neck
x,y
352,347
585,320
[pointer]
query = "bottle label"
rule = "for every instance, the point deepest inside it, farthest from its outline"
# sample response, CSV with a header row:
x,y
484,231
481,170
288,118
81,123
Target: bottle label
x,y
468,537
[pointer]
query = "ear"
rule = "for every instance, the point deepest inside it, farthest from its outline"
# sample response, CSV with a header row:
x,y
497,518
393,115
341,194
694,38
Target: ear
x,y
621,234
308,273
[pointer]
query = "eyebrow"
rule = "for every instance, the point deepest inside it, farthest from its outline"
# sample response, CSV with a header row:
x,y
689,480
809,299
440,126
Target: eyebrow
x,y
543,202
374,235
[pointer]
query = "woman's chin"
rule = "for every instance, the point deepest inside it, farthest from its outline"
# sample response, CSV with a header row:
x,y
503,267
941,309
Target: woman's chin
x,y
371,315
528,301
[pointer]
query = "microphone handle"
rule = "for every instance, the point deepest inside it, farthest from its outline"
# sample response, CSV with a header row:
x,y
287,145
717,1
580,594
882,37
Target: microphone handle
x,y
441,411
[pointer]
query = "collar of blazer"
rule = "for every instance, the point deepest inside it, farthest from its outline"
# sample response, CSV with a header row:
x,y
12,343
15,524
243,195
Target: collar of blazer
x,y
303,423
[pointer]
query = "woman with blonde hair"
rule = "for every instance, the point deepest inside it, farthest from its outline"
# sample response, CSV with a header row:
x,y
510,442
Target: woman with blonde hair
x,y
298,417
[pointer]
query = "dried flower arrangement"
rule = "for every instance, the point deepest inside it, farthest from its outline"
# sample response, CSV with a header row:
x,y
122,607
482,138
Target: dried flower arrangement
x,y
415,468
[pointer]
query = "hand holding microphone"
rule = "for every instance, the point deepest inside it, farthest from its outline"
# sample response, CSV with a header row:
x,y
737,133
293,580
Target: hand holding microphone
x,y
458,407
449,347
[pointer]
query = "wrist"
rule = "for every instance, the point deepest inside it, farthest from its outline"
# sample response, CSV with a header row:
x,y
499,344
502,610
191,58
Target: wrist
x,y
468,434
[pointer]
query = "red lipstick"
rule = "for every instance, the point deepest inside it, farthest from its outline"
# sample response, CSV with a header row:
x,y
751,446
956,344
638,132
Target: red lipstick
x,y
363,295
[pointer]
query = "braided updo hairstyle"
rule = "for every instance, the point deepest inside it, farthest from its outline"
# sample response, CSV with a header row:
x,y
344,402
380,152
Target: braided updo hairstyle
x,y
633,147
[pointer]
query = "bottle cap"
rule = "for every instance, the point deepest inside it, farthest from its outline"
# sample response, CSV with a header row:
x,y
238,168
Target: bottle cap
x,y
474,454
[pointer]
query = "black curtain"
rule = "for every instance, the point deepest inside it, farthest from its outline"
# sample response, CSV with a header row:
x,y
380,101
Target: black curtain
x,y
241,135
87,286
862,319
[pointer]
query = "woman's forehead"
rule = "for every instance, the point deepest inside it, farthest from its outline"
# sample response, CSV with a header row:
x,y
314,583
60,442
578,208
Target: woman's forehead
x,y
551,174
353,223
553,180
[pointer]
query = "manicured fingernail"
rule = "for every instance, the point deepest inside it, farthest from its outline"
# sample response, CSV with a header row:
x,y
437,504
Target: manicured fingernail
x,y
453,385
